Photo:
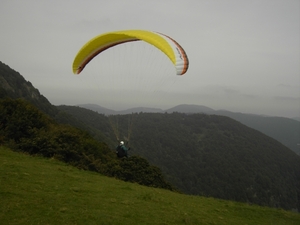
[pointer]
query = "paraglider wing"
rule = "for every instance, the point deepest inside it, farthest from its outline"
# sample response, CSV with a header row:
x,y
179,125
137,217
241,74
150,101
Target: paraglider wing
x,y
107,40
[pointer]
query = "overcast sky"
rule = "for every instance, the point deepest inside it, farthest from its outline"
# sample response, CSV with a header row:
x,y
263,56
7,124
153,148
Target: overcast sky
x,y
244,55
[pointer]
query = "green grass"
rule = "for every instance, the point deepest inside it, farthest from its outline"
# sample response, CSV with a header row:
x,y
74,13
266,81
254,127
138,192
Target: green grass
x,y
36,190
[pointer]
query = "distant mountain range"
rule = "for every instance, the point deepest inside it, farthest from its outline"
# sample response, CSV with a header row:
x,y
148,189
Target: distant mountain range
x,y
285,130
106,111
180,108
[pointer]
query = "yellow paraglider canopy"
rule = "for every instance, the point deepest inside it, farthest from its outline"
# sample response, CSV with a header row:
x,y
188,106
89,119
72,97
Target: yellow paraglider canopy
x,y
107,40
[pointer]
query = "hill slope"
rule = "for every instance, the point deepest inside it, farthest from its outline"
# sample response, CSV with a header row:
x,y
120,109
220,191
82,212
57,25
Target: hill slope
x,y
212,155
44,191
217,156
13,85
284,130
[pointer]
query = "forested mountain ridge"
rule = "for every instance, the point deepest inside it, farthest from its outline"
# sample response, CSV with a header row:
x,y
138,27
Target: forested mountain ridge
x,y
201,154
211,155
13,85
284,130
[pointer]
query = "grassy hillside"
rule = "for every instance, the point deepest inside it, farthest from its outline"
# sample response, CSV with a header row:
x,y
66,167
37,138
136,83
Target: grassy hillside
x,y
37,190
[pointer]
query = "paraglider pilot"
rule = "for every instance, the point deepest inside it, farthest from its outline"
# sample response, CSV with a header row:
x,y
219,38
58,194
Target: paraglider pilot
x,y
121,150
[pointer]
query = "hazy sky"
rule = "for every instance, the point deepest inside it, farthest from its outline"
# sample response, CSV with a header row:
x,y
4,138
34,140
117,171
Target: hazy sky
x,y
244,55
